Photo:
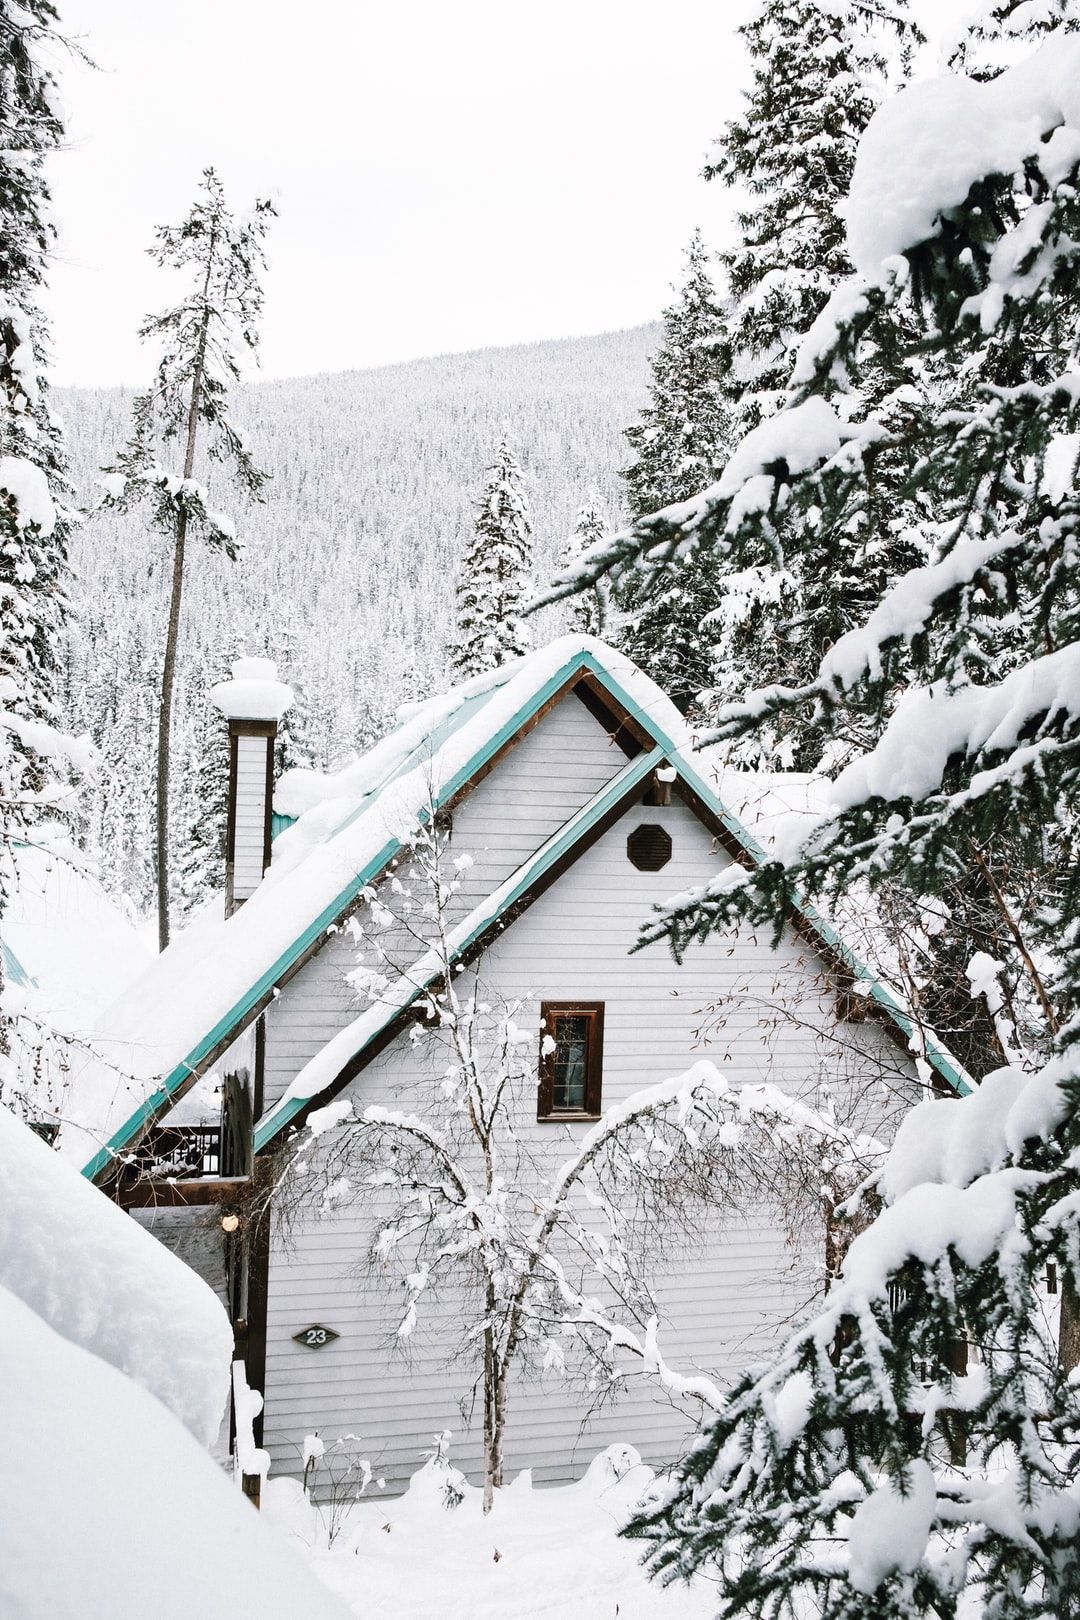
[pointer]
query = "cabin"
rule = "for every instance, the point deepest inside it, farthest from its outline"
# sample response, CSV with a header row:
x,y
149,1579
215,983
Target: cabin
x,y
571,802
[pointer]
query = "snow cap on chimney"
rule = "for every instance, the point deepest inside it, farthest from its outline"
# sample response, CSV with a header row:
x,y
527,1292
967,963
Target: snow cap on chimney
x,y
254,693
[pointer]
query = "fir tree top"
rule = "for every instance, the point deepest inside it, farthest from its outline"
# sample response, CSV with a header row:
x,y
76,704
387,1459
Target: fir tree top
x,y
682,441
494,583
819,72
588,611
201,338
681,438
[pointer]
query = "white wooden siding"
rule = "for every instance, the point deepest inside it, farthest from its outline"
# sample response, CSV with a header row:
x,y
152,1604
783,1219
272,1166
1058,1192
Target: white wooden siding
x,y
722,1304
249,844
534,790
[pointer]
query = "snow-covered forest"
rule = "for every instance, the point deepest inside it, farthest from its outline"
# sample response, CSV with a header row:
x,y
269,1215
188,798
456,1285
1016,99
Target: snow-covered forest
x,y
539,887
374,479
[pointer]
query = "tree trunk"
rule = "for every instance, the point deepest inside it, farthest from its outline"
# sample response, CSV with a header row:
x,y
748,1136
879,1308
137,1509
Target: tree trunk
x,y
499,1427
1069,1328
168,672
168,681
490,1458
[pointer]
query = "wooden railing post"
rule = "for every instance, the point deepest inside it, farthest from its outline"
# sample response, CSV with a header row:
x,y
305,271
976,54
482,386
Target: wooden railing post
x,y
250,1463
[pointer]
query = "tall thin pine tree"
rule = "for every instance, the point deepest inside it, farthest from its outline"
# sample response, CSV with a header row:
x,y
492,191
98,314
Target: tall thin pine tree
x,y
818,75
201,336
34,520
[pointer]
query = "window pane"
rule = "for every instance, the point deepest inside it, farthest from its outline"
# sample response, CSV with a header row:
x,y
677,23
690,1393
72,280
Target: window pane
x,y
571,1050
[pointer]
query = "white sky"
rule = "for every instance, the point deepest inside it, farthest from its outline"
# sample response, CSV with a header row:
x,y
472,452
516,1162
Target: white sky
x,y
449,173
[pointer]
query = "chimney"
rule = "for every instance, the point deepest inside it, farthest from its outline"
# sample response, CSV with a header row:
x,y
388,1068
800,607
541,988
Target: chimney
x,y
252,702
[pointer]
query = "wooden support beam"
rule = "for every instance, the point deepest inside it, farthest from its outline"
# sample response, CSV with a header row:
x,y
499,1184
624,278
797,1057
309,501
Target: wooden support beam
x,y
173,1194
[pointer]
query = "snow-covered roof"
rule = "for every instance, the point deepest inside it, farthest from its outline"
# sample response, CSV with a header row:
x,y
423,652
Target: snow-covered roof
x,y
65,941
215,976
68,950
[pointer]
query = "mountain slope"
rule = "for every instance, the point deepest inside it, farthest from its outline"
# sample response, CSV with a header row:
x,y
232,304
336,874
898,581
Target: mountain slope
x,y
349,565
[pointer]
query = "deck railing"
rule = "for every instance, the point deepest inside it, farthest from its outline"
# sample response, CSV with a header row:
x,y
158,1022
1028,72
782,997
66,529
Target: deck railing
x,y
180,1152
196,1152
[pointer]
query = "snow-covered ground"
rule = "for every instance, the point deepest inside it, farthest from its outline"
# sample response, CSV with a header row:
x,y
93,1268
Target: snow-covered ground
x,y
540,1555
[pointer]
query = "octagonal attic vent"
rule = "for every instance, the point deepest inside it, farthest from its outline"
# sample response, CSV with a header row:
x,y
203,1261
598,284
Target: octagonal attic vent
x,y
649,847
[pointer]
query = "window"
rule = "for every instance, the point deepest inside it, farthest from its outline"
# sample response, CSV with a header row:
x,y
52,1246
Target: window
x,y
571,1059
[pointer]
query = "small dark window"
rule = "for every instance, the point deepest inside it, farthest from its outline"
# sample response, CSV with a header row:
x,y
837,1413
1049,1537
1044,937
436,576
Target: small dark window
x,y
649,847
571,1059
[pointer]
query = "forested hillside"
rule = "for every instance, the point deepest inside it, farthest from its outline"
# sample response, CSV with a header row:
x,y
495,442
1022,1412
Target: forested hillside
x,y
348,567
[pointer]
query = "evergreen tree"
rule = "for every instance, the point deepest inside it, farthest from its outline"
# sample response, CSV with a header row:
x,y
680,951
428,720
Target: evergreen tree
x,y
200,338
681,442
201,794
819,72
997,33
34,521
494,583
589,610
912,1451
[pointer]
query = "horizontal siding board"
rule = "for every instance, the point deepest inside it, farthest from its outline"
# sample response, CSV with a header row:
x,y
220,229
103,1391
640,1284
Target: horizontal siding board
x,y
250,815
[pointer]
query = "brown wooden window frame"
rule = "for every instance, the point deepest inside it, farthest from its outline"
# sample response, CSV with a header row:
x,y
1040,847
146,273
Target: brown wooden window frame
x,y
550,1011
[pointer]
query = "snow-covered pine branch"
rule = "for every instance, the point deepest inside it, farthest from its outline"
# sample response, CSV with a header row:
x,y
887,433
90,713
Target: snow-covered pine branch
x,y
930,1350
913,1448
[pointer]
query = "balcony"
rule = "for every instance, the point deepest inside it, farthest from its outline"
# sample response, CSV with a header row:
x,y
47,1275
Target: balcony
x,y
187,1164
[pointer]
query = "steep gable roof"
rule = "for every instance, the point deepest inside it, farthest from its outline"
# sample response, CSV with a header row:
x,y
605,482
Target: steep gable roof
x,y
219,974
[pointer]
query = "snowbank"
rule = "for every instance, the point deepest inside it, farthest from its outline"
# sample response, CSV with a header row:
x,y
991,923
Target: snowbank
x,y
554,1553
108,1506
98,1279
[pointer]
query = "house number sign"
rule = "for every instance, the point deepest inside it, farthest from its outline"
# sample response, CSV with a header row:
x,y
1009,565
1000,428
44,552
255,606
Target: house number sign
x,y
313,1338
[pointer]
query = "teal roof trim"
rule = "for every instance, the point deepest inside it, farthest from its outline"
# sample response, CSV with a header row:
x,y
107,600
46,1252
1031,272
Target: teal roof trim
x,y
935,1052
14,971
158,1103
483,918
